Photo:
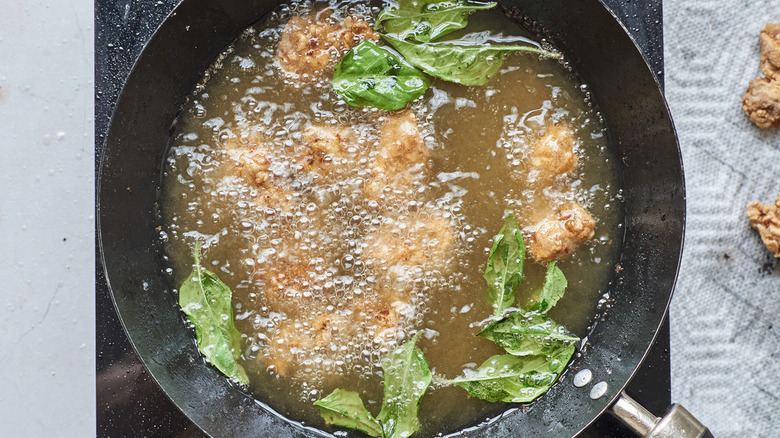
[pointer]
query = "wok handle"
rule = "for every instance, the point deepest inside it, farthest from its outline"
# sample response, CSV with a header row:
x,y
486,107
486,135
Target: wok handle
x,y
676,423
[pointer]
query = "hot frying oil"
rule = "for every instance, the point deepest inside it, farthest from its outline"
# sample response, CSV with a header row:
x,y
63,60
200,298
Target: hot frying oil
x,y
475,138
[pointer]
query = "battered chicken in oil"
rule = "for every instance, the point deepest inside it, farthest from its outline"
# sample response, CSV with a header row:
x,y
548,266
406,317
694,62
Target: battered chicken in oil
x,y
421,241
555,229
402,159
288,281
765,218
297,280
761,102
552,156
320,156
313,340
325,153
558,235
253,157
295,339
317,327
382,318
310,43
327,142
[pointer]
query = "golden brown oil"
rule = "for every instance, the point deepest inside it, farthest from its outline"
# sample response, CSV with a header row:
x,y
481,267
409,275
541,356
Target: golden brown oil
x,y
476,137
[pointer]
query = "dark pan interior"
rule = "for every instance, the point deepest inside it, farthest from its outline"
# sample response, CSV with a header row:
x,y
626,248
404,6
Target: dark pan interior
x,y
641,133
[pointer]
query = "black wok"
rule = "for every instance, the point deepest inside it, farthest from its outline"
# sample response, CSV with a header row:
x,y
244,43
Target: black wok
x,y
640,131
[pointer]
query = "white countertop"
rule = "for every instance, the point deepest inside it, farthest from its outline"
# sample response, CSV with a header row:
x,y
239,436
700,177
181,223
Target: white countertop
x,y
47,327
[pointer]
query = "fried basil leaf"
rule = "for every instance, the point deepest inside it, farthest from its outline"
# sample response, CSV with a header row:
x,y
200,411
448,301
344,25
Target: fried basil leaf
x,y
528,334
466,65
207,302
425,20
345,408
504,271
554,286
371,76
407,377
515,379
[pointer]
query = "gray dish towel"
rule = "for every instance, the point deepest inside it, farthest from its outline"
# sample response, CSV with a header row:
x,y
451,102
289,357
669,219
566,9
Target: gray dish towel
x,y
725,315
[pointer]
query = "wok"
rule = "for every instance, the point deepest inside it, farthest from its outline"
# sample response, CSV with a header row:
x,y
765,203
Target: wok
x,y
640,132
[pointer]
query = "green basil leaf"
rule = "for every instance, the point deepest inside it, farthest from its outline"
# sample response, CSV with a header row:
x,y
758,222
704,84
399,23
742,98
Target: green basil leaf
x,y
560,358
207,302
515,379
554,286
504,271
528,334
345,408
371,76
466,65
426,20
407,377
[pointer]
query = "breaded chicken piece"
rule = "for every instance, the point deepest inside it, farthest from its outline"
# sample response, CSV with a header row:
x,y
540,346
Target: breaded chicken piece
x,y
766,219
555,231
250,151
397,251
761,103
297,337
552,155
382,319
308,341
254,166
325,151
770,51
422,240
253,159
295,276
322,150
285,284
558,235
309,43
402,157
323,140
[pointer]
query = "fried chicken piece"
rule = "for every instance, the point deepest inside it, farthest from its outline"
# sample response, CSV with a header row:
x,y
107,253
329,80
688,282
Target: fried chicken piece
x,y
382,319
299,336
250,151
399,251
255,166
322,152
308,43
558,235
307,341
766,219
325,150
297,274
761,103
770,51
552,155
556,230
253,159
285,284
323,141
402,158
423,240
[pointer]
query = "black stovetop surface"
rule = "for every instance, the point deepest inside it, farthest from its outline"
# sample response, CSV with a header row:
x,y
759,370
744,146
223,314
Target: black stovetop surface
x,y
129,401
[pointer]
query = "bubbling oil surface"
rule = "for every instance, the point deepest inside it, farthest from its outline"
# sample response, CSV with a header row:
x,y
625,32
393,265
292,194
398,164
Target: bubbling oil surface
x,y
476,137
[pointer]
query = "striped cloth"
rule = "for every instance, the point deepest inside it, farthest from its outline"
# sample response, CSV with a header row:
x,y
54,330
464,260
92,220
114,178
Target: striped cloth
x,y
725,316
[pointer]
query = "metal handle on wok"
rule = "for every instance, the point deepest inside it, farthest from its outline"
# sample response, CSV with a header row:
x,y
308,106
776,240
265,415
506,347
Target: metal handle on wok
x,y
676,423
